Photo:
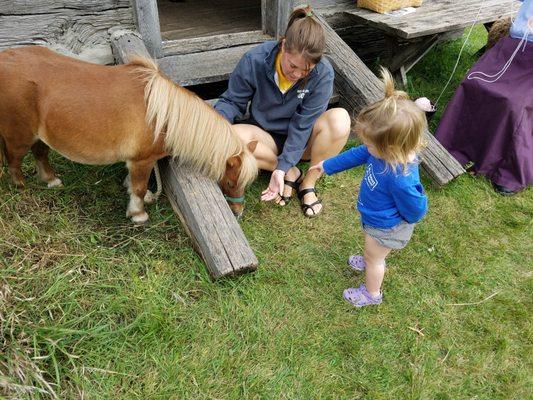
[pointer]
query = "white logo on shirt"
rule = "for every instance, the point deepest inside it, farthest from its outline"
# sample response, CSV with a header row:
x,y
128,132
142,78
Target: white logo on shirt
x,y
370,178
302,93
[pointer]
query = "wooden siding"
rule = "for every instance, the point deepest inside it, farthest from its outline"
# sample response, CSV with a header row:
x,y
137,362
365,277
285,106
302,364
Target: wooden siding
x,y
75,27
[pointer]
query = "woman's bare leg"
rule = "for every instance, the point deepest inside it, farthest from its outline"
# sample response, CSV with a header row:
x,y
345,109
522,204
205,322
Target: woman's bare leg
x,y
328,137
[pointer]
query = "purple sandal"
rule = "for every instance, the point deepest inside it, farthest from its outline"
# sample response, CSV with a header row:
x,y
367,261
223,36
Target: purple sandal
x,y
359,297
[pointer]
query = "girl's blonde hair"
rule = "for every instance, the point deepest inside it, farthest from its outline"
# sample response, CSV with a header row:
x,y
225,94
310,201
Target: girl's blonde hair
x,y
305,35
395,125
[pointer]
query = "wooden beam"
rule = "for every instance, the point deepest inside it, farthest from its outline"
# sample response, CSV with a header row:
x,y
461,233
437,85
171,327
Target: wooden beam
x,y
215,42
197,200
126,44
358,86
202,208
204,67
147,23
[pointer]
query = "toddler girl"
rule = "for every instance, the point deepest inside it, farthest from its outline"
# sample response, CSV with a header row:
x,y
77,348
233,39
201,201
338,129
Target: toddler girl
x,y
391,199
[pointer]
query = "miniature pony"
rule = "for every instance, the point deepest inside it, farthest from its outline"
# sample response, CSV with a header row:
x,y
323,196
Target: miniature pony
x,y
95,114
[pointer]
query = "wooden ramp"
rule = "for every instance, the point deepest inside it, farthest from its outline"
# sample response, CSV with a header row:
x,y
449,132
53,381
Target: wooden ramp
x,y
358,86
197,200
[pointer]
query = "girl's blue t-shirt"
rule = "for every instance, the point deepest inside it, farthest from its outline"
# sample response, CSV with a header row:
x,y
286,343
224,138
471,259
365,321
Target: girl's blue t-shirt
x,y
386,197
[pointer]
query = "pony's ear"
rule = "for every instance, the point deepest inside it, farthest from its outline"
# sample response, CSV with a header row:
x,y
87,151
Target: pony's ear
x,y
233,162
252,145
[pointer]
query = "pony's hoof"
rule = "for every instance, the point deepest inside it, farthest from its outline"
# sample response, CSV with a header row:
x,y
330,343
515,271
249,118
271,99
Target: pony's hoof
x,y
55,183
149,197
140,219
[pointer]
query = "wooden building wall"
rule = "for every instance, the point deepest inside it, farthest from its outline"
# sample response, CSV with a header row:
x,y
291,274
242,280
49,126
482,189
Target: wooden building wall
x,y
75,27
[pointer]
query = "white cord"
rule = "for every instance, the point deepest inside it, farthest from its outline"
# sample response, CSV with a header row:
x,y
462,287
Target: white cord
x,y
460,52
481,75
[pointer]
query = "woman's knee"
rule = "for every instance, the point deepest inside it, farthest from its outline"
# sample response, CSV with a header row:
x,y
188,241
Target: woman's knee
x,y
336,122
244,132
340,122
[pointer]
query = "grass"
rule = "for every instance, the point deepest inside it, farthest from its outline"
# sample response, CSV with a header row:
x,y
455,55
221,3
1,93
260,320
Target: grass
x,y
92,307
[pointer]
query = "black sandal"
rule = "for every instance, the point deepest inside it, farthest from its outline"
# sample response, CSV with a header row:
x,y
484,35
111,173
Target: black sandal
x,y
293,184
306,206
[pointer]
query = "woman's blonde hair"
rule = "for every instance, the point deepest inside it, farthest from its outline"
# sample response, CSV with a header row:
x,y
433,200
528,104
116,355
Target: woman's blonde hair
x,y
305,35
395,125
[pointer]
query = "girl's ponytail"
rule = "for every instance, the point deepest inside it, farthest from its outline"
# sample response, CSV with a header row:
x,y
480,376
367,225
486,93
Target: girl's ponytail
x,y
388,82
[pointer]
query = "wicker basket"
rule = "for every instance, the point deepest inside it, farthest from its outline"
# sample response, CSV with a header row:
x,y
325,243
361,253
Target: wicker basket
x,y
383,6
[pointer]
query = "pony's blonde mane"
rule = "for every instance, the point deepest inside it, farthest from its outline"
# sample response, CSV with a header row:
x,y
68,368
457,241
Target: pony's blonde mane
x,y
195,134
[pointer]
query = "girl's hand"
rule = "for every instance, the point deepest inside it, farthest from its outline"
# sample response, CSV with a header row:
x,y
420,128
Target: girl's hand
x,y
318,167
275,187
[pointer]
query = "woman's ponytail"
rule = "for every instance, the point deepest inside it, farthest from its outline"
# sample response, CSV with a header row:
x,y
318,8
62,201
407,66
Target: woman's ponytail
x,y
305,35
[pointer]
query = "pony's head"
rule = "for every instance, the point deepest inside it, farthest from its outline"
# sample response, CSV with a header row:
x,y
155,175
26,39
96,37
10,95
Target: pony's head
x,y
196,135
241,170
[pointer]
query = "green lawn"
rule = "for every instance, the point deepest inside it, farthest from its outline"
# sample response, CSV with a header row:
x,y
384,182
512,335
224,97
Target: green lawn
x,y
94,308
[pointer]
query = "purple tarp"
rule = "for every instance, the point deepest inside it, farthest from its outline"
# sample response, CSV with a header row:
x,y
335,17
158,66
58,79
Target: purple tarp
x,y
491,124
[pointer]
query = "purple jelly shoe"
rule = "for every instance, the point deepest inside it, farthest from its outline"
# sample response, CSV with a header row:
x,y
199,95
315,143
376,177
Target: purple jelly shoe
x,y
360,297
357,262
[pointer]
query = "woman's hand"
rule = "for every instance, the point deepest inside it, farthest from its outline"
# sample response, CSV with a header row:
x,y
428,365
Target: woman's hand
x,y
275,187
318,167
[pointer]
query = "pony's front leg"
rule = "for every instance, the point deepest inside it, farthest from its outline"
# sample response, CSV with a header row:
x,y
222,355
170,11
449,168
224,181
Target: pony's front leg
x,y
149,197
139,173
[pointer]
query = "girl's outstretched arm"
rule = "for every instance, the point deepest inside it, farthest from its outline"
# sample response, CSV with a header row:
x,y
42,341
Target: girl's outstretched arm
x,y
348,159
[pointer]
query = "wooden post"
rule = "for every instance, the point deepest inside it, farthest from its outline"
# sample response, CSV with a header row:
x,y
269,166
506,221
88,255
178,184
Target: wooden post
x,y
358,86
197,200
147,22
126,44
275,15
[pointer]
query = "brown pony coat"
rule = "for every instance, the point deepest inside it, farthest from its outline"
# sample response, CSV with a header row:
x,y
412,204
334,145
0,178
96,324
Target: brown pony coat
x,y
95,114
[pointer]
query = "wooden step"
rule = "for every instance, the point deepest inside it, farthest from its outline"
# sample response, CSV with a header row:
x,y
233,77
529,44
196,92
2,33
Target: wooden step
x,y
205,67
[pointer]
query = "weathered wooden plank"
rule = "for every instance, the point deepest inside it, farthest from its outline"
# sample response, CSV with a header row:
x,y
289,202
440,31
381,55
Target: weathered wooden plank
x,y
358,86
79,33
205,67
25,7
202,208
436,16
147,22
215,42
